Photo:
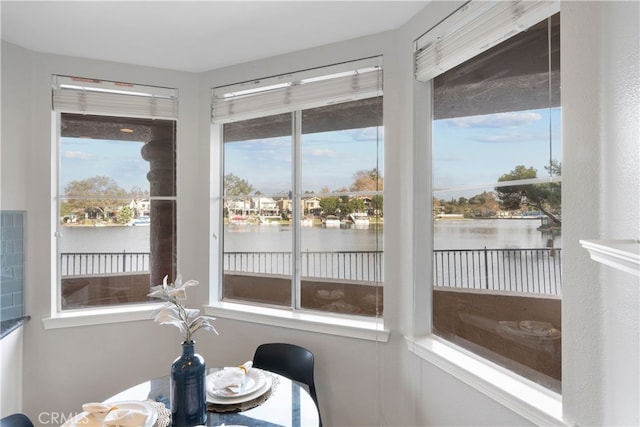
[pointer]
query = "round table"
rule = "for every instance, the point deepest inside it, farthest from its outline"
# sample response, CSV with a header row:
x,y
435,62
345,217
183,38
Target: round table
x,y
289,404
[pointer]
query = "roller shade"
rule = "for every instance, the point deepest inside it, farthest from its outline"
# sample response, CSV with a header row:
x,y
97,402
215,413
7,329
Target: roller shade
x,y
474,28
100,97
308,89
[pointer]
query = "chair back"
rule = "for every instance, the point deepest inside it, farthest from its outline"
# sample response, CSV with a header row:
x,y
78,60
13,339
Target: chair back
x,y
289,360
16,420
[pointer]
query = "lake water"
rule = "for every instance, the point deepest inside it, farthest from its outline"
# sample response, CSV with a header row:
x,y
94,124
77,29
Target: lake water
x,y
492,233
449,234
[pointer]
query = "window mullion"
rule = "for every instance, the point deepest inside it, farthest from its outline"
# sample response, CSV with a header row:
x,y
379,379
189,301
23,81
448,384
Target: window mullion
x,y
296,132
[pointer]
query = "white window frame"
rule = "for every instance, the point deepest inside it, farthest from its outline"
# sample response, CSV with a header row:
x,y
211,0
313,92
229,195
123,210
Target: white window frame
x,y
110,99
359,327
524,397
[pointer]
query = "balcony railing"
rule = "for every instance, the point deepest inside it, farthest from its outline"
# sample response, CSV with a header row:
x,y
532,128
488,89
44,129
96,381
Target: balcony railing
x,y
510,270
353,265
96,263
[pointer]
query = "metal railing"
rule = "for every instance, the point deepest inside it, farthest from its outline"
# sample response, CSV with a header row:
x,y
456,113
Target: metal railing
x,y
345,265
94,263
512,270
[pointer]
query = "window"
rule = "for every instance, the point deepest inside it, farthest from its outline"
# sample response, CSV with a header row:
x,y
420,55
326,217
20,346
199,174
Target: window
x,y
496,165
116,192
301,198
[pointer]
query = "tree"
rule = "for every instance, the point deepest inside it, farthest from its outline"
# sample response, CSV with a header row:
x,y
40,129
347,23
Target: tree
x,y
377,204
543,197
98,194
484,204
236,186
138,193
356,205
367,180
329,204
125,215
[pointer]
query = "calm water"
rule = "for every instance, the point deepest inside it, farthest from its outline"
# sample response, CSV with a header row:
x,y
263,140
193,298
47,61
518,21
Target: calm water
x,y
475,234
492,233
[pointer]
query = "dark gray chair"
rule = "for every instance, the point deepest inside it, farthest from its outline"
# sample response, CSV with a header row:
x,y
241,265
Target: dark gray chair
x,y
16,420
291,361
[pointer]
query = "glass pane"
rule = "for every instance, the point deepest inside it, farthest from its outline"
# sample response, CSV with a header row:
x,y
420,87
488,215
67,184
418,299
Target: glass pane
x,y
116,238
257,243
497,248
342,220
487,148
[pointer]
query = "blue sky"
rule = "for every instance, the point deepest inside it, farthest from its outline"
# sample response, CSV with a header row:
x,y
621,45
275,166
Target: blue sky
x,y
328,159
120,160
479,149
467,150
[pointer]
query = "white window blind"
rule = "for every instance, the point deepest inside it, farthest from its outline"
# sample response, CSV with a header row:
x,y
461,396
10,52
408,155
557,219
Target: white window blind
x,y
296,91
101,97
474,28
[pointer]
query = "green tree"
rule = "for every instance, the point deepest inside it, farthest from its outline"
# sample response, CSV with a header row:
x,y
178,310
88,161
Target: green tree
x,y
543,197
98,194
377,204
125,215
329,204
356,205
236,186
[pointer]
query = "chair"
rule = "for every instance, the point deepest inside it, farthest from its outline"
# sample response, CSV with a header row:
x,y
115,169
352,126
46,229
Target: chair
x,y
289,360
16,420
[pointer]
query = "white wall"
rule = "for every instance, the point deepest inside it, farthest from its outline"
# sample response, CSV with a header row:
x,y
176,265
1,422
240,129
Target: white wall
x,y
359,382
13,157
600,99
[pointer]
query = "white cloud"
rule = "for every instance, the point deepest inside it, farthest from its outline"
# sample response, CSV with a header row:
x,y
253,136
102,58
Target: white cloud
x,y
323,152
76,155
498,120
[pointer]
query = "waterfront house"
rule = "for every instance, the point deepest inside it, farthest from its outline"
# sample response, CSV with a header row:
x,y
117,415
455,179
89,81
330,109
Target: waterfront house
x,y
396,374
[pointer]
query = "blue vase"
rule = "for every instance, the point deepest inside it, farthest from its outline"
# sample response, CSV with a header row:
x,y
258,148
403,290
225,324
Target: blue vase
x,y
188,398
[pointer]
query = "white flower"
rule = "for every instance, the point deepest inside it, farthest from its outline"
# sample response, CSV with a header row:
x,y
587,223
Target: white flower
x,y
174,312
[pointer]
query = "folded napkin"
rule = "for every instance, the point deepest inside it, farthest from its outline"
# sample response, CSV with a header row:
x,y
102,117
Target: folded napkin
x,y
232,379
109,415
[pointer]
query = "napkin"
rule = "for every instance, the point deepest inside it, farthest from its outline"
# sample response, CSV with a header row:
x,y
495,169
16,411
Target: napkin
x,y
232,378
110,415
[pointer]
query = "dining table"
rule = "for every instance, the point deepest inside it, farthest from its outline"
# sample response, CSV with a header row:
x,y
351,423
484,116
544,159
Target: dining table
x,y
286,403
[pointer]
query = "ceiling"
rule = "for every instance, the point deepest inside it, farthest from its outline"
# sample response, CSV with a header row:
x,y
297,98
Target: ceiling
x,y
193,36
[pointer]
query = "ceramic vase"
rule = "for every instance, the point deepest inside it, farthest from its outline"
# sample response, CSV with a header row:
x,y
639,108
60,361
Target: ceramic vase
x,y
188,394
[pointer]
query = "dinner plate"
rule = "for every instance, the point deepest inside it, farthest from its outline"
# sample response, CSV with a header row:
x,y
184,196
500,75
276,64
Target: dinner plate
x,y
266,385
253,380
86,419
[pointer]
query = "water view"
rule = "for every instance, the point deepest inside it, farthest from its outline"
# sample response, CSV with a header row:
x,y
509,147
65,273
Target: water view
x,y
463,234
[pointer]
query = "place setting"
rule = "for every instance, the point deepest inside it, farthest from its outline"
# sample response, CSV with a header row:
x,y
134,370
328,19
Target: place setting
x,y
130,413
238,388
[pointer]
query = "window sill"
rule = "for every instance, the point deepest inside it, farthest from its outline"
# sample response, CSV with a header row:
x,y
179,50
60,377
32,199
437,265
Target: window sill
x,y
99,316
527,399
361,328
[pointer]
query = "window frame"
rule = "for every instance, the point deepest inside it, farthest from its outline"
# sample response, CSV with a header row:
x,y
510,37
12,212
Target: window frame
x,y
135,102
526,398
361,327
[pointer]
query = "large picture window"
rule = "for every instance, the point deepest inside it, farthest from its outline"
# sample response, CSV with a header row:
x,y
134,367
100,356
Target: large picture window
x,y
497,217
302,191
116,210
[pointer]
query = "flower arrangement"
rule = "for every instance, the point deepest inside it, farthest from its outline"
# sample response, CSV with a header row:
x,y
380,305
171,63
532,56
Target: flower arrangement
x,y
175,313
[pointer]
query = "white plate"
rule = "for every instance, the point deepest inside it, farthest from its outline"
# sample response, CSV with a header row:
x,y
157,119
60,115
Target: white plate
x,y
240,399
254,379
85,419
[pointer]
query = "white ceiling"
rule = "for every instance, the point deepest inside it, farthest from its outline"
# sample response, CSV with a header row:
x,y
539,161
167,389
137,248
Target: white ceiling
x,y
193,35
